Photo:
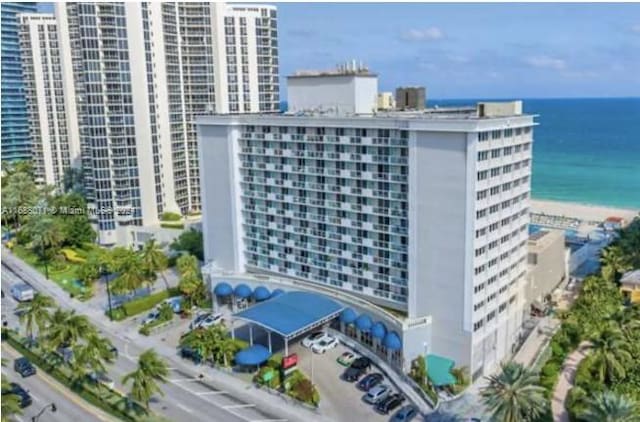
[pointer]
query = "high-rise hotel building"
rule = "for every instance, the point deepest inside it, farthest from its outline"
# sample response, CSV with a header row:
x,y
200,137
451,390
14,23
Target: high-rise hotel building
x,y
16,142
55,144
141,73
424,213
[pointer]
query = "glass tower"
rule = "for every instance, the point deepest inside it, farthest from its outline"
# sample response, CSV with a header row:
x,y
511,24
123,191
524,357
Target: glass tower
x,y
15,125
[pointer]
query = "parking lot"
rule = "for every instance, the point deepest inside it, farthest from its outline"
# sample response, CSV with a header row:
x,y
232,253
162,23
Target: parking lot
x,y
337,397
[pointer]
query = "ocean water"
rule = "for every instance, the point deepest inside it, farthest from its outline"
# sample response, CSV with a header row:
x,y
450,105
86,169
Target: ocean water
x,y
585,150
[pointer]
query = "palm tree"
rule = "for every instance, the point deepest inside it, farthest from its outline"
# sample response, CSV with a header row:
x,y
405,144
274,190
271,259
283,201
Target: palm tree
x,y
91,269
513,395
10,402
151,370
66,328
610,353
192,288
610,407
154,260
132,275
92,356
35,313
188,266
614,262
46,238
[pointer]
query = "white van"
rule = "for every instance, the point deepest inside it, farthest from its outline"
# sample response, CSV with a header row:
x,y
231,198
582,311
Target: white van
x,y
22,292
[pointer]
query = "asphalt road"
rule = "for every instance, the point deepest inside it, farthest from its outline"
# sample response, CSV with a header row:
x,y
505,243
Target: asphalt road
x,y
44,390
187,395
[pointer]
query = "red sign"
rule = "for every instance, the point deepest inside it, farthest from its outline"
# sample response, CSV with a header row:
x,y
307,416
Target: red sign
x,y
289,361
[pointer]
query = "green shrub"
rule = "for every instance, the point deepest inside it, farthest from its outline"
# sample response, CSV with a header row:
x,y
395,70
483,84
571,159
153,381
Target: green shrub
x,y
275,361
170,216
143,304
172,225
72,256
145,330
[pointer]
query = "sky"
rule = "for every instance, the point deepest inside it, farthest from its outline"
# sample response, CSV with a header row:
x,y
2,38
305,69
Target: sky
x,y
473,50
458,50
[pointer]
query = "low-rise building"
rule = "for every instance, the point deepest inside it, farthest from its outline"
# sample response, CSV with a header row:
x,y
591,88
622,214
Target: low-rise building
x,y
386,101
630,286
547,265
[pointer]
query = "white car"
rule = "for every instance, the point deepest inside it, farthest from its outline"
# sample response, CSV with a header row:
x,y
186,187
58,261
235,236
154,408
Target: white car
x,y
210,321
152,316
324,344
312,339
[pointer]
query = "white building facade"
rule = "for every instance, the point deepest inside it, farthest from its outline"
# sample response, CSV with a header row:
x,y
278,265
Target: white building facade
x,y
141,73
425,214
54,134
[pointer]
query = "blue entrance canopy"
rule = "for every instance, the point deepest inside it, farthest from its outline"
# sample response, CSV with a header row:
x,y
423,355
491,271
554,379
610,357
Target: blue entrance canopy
x,y
292,313
348,316
222,289
277,292
392,341
363,322
254,355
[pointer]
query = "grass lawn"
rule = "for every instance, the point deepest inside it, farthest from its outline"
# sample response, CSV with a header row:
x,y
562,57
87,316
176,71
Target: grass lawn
x,y
63,275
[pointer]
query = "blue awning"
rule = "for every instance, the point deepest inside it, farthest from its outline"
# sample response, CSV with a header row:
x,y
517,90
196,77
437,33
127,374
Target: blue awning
x,y
348,316
392,341
254,355
242,290
277,292
222,289
378,330
363,322
261,293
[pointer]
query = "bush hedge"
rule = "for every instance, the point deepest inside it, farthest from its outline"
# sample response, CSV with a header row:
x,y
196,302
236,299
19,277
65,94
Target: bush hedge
x,y
143,304
170,216
72,256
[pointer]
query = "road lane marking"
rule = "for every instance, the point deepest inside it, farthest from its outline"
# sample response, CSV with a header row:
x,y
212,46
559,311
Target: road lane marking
x,y
238,406
269,420
185,408
211,393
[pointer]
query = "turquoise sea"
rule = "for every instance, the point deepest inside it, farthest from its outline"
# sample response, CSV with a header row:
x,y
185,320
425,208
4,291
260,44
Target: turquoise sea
x,y
586,150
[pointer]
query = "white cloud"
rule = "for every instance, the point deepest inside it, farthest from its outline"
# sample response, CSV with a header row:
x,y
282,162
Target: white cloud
x,y
546,62
636,28
427,34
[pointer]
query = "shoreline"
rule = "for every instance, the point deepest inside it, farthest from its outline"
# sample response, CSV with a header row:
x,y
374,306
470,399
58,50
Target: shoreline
x,y
584,212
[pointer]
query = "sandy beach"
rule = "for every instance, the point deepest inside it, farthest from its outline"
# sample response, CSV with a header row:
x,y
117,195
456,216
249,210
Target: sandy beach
x,y
586,213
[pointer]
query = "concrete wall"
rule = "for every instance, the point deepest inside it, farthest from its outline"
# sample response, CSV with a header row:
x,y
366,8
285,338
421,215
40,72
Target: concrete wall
x,y
437,185
347,93
222,240
546,265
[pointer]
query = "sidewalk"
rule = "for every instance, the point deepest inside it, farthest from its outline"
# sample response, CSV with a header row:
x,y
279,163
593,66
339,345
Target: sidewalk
x,y
565,382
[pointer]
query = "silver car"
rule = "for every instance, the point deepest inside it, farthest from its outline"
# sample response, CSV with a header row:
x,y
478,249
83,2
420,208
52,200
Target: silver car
x,y
377,393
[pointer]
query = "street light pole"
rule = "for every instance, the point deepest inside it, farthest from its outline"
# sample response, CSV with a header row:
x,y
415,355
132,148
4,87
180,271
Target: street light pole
x,y
51,406
103,273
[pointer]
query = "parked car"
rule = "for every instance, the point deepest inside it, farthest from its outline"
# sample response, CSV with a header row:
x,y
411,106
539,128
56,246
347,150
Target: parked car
x,y
210,320
152,316
23,395
406,414
191,354
24,367
377,393
347,358
324,344
22,292
390,403
102,378
361,363
197,320
311,339
175,302
370,381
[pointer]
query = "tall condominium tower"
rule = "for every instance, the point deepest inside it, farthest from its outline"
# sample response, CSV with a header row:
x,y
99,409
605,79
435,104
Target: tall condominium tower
x,y
142,73
16,142
424,213
55,144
